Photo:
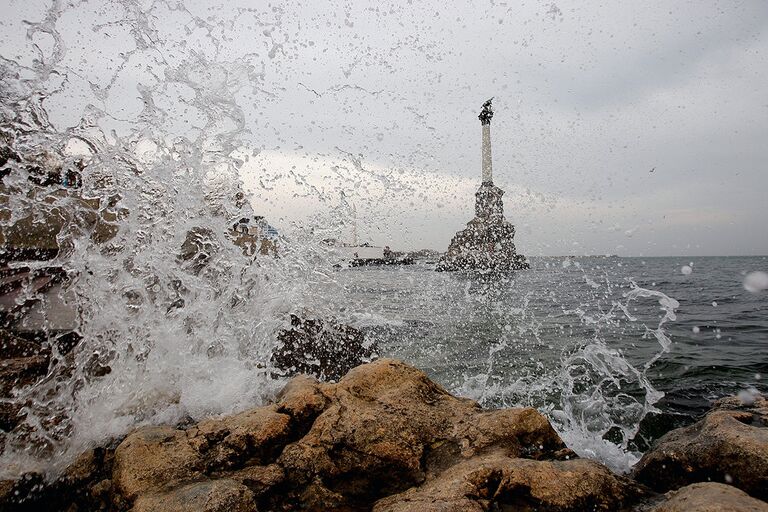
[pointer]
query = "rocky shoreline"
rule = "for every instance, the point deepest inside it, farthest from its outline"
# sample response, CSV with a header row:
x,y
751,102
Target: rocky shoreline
x,y
386,438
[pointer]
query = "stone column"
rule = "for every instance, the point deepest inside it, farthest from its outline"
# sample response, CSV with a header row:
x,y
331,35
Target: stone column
x,y
486,114
487,164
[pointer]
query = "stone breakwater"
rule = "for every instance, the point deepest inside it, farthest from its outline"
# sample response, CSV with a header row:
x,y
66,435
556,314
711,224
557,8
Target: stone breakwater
x,y
386,438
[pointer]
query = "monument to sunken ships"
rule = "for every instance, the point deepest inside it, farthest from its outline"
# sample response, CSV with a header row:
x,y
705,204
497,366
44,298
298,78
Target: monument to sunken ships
x,y
486,245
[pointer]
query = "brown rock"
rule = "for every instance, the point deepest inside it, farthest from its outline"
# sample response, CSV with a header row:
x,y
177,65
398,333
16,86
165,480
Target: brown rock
x,y
152,459
260,479
227,442
710,497
302,399
208,496
729,445
497,482
155,459
388,426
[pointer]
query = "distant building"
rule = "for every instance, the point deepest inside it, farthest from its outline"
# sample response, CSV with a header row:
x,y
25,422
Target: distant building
x,y
255,235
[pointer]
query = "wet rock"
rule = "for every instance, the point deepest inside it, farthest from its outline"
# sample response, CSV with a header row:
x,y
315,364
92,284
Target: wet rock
x,y
82,486
154,460
729,445
12,346
199,246
323,348
710,497
10,416
497,482
21,371
209,496
382,429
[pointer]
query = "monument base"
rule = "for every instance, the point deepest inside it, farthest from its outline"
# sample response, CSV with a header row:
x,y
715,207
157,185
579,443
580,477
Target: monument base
x,y
486,245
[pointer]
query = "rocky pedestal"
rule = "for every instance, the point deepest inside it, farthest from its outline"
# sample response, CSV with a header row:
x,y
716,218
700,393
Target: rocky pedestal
x,y
487,243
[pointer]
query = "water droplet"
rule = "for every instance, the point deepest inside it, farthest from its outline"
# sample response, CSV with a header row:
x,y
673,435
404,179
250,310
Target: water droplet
x,y
696,329
747,396
756,282
686,270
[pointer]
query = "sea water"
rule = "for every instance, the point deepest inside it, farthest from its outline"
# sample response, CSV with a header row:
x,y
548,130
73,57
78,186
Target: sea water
x,y
590,341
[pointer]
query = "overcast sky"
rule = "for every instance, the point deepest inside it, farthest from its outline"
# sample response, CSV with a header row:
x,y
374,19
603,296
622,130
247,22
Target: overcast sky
x,y
631,128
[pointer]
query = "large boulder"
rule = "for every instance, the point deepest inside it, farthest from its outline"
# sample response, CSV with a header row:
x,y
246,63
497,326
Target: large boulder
x,y
387,427
730,445
153,459
384,428
710,497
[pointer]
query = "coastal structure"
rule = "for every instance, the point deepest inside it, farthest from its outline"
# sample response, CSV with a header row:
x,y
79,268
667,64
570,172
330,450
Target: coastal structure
x,y
487,243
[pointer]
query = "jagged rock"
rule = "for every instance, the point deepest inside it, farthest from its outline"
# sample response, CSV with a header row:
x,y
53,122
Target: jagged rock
x,y
381,430
153,461
729,445
710,497
254,436
322,348
260,479
497,482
